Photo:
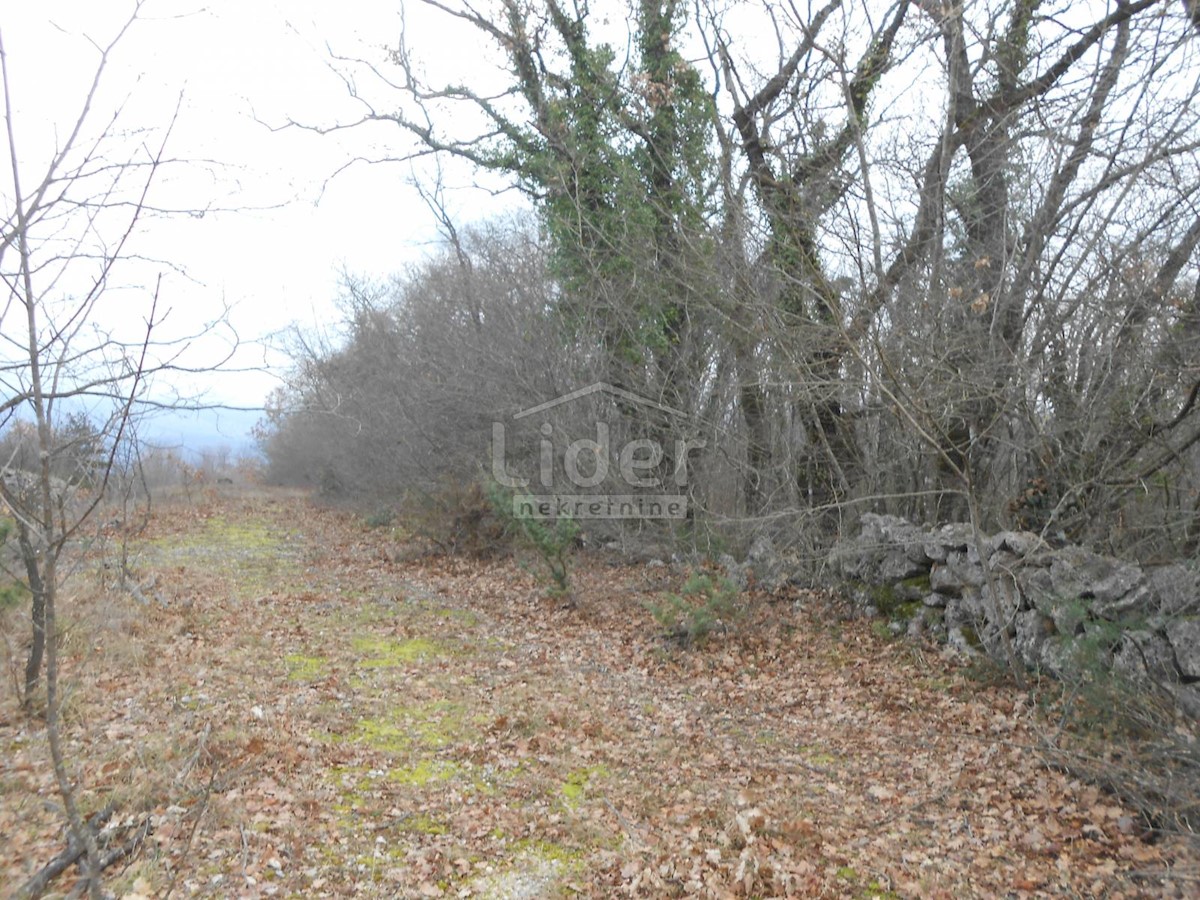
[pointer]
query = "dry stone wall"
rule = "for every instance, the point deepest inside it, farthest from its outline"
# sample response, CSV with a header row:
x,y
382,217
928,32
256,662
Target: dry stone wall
x,y
1062,608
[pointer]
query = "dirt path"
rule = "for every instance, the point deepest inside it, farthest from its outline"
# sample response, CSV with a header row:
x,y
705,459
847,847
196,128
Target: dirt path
x,y
308,718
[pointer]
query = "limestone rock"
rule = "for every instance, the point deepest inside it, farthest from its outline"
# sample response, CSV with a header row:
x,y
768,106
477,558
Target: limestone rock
x,y
957,536
1080,575
968,573
1175,588
1184,637
1037,644
1019,543
764,563
935,600
966,610
1187,697
1139,600
1054,603
733,571
1144,654
943,581
882,553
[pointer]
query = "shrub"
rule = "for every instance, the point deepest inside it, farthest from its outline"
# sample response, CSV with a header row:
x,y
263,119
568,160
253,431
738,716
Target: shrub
x,y
12,593
456,517
382,518
1125,731
551,539
704,604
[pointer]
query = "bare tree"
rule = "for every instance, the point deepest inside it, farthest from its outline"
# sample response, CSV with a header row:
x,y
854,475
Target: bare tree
x,y
74,359
938,259
403,404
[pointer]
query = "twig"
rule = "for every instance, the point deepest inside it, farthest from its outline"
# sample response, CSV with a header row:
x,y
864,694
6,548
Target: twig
x,y
12,667
196,812
630,828
112,856
394,820
782,764
916,807
201,749
138,591
37,885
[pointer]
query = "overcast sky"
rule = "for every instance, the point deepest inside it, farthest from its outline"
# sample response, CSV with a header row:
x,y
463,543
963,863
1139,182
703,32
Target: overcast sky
x,y
238,65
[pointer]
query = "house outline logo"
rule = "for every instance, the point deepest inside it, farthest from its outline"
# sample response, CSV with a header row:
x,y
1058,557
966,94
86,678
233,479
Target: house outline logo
x,y
636,461
594,388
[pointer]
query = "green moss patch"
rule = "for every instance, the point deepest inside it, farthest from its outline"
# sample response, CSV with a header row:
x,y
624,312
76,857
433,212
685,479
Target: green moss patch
x,y
423,824
305,668
818,757
383,653
549,851
427,727
252,552
354,786
424,772
247,534
460,616
382,735
577,784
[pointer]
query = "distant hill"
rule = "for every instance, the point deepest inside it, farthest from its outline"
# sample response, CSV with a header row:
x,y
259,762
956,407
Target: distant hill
x,y
193,433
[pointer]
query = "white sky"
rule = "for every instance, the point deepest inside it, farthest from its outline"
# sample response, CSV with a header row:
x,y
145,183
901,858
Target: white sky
x,y
278,259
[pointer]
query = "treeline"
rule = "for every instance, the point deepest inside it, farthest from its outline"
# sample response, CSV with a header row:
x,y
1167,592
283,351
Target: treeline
x,y
89,454
933,260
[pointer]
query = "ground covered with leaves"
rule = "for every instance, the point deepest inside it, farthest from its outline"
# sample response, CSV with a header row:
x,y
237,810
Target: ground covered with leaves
x,y
311,712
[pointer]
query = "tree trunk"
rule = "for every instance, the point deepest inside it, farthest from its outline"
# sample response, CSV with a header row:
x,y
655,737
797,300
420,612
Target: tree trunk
x,y
37,648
